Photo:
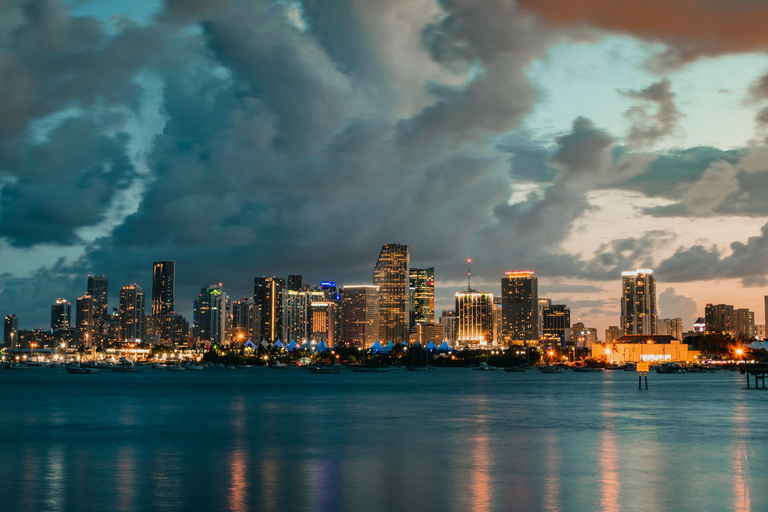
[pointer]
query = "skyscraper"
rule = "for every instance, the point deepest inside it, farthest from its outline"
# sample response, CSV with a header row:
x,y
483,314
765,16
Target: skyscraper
x,y
294,283
720,319
296,319
243,320
474,318
422,280
98,289
11,333
391,275
360,315
556,323
61,315
211,315
323,321
131,312
267,296
638,302
519,306
163,288
84,321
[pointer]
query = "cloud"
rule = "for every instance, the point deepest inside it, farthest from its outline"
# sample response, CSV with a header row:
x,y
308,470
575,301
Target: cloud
x,y
625,254
689,28
672,305
654,117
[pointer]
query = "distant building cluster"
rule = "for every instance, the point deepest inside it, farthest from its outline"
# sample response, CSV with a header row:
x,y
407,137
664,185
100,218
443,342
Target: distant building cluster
x,y
398,306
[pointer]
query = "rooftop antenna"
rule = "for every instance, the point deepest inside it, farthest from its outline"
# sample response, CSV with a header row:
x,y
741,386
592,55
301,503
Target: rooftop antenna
x,y
469,274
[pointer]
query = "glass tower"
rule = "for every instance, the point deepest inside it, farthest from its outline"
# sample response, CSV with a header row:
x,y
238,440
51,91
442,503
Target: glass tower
x,y
392,276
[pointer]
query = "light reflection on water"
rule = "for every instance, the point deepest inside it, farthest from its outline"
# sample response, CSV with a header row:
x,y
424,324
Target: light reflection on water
x,y
434,441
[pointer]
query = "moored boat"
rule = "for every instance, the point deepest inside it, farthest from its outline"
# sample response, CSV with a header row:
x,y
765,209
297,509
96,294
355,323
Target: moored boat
x,y
550,369
515,369
326,369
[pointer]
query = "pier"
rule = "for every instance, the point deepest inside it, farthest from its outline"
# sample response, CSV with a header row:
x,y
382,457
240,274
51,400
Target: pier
x,y
757,370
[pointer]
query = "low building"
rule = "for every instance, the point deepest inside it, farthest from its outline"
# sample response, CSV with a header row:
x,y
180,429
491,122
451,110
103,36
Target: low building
x,y
651,348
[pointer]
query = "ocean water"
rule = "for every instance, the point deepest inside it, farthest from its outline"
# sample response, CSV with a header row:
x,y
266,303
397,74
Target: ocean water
x,y
447,439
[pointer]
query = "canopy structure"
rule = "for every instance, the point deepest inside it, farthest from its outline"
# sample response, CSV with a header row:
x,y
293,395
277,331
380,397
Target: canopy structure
x,y
389,346
292,346
264,343
376,347
278,344
405,344
321,347
444,347
249,344
759,345
430,346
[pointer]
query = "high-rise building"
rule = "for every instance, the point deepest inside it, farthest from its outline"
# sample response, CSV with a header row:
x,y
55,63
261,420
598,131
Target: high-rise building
x,y
296,315
244,320
612,333
132,325
294,283
267,295
745,324
670,327
61,315
11,333
391,275
211,315
84,321
98,289
422,281
163,288
638,302
323,318
175,328
519,307
448,322
360,315
720,319
474,318
556,324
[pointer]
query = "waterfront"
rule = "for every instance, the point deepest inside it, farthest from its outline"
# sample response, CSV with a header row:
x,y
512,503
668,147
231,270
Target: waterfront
x,y
447,439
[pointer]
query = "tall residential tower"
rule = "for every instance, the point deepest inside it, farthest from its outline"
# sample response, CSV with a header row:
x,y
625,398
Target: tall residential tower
x,y
638,302
392,276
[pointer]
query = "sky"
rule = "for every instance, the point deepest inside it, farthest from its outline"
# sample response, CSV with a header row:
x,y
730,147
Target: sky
x,y
248,138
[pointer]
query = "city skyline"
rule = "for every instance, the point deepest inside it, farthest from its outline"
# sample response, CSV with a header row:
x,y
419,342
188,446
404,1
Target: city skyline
x,y
578,143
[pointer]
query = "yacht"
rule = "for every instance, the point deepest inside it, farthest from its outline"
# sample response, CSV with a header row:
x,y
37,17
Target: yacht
x,y
515,369
550,369
125,366
326,369
586,369
276,365
484,367
175,368
76,368
194,366
669,368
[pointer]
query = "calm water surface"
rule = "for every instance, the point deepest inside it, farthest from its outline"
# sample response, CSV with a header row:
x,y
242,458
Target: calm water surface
x,y
447,439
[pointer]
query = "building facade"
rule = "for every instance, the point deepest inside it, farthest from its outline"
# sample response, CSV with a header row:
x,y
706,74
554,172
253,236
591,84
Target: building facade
x,y
131,313
163,288
474,318
720,319
61,315
360,315
392,277
638,302
519,307
323,318
211,316
267,296
422,281
84,321
11,332
98,289
670,327
556,324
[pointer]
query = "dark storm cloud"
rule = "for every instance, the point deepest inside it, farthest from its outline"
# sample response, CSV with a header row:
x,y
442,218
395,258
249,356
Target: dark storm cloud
x,y
654,117
529,158
65,182
613,258
747,261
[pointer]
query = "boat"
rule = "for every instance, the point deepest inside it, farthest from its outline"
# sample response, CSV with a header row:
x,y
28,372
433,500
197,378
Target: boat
x,y
16,366
550,369
586,369
194,366
515,369
484,367
696,369
125,366
175,368
326,369
75,368
276,365
230,367
156,366
417,368
669,368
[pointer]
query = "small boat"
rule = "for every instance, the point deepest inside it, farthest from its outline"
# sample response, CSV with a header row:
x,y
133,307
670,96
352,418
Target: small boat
x,y
195,366
74,368
276,365
34,363
514,369
326,369
696,369
156,366
230,367
16,366
175,368
669,368
586,369
484,367
417,368
125,366
550,369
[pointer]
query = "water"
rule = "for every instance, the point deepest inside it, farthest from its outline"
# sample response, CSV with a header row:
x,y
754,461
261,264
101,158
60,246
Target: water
x,y
447,439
